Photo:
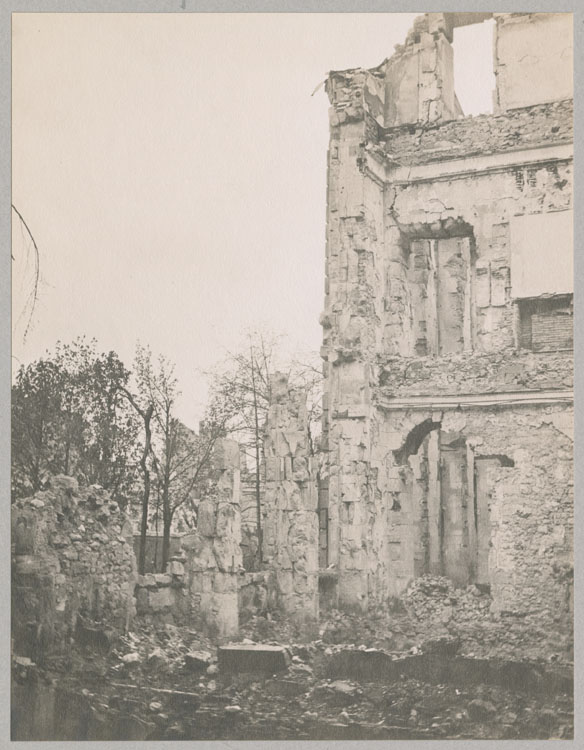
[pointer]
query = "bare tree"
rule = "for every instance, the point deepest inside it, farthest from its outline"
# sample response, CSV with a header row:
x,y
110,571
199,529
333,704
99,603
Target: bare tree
x,y
180,458
31,299
242,384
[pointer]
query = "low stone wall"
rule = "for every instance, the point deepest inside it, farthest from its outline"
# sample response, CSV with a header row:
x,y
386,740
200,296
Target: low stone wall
x,y
70,559
162,597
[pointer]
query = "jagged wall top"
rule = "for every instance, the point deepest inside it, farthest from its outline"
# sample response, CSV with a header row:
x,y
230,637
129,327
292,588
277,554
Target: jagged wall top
x,y
532,64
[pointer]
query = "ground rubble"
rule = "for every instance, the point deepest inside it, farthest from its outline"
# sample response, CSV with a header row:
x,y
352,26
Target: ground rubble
x,y
165,683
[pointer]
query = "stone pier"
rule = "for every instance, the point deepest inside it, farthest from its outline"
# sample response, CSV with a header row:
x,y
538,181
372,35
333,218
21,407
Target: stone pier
x,y
213,552
290,534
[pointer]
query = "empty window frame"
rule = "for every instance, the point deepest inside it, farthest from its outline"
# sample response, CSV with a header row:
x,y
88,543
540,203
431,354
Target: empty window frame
x,y
439,276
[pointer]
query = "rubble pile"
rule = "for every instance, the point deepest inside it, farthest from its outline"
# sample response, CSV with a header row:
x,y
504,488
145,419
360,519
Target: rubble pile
x,y
167,684
436,608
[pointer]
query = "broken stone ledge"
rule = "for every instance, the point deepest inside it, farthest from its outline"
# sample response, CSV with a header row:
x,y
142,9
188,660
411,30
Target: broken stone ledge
x,y
373,665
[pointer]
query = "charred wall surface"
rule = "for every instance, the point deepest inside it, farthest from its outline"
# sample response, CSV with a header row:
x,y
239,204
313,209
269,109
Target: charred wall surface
x,y
447,329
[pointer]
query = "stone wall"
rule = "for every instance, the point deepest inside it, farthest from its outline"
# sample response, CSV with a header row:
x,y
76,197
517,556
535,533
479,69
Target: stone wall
x,y
409,197
521,459
72,558
163,597
200,585
290,528
213,559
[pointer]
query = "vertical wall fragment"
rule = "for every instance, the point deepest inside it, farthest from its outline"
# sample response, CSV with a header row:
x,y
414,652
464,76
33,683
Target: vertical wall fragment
x,y
290,506
213,553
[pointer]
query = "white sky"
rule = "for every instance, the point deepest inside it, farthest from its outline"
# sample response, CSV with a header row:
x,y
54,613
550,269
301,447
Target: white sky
x,y
172,168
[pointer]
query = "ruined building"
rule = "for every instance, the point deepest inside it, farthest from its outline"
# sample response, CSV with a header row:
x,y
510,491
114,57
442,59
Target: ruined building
x,y
448,323
448,410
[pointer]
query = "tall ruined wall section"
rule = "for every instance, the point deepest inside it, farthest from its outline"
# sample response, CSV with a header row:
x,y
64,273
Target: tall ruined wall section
x,y
290,531
72,558
435,386
213,560
355,236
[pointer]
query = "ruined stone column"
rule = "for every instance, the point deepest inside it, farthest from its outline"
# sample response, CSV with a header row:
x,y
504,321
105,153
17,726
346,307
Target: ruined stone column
x,y
213,551
290,539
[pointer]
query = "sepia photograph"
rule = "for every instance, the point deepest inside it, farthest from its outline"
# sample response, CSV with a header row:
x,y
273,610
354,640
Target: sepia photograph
x,y
292,408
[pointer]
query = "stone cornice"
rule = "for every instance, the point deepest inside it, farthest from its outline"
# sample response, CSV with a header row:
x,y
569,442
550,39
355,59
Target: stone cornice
x,y
477,401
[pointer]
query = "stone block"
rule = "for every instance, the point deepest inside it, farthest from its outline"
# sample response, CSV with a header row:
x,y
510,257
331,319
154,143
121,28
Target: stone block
x,y
309,495
201,582
239,657
147,580
221,613
197,661
175,568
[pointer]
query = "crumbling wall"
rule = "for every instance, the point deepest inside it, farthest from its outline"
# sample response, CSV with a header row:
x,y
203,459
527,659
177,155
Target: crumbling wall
x,y
420,76
202,578
72,558
528,534
290,528
482,204
503,370
351,336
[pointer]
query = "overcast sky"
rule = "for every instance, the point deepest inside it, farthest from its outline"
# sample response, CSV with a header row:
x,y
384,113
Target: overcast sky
x,y
172,168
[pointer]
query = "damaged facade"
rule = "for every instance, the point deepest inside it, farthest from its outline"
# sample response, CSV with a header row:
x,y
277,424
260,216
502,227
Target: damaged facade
x,y
448,323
